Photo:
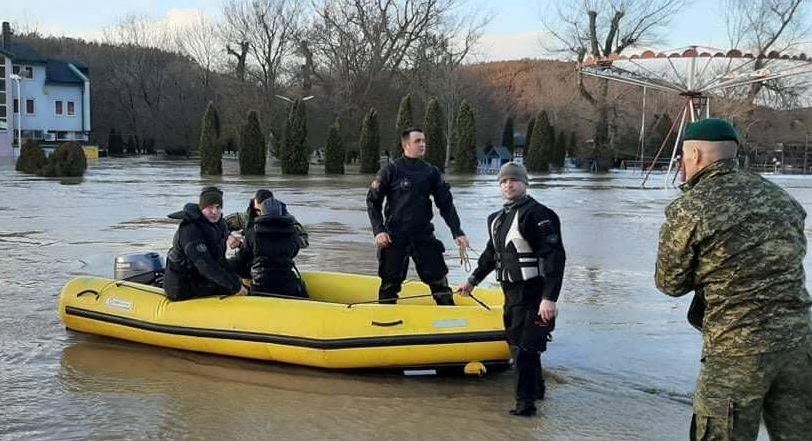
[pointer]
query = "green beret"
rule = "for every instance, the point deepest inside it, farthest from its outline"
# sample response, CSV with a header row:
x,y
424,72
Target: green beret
x,y
711,129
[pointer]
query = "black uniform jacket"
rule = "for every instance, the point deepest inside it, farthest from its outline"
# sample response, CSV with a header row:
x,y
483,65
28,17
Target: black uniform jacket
x,y
406,184
196,265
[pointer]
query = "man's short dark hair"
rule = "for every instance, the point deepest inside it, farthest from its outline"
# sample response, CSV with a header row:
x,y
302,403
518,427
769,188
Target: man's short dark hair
x,y
408,131
262,194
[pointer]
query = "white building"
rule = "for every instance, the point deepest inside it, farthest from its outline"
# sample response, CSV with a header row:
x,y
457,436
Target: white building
x,y
45,99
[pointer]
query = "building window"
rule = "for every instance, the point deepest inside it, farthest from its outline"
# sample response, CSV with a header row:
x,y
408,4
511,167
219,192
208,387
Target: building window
x,y
71,108
29,106
58,108
26,72
3,111
16,105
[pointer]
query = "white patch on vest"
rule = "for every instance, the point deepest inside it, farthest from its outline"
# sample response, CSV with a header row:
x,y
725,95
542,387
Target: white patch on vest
x,y
450,323
119,304
522,246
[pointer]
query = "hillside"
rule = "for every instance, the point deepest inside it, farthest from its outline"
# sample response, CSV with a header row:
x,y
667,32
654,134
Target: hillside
x,y
154,94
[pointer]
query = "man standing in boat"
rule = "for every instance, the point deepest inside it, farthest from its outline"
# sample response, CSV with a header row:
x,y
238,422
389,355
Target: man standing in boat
x,y
526,250
196,264
737,240
404,229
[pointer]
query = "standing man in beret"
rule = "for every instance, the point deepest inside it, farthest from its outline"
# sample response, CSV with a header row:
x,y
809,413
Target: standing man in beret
x,y
737,241
404,229
526,251
196,264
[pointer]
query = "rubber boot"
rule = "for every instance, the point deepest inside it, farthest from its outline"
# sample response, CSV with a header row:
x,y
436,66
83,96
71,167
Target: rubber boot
x,y
441,292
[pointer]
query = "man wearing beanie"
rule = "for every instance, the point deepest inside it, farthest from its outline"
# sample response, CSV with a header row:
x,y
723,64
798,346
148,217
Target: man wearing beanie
x,y
196,265
403,228
526,251
737,241
244,221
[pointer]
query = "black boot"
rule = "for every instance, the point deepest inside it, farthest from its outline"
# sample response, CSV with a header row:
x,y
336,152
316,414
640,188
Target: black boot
x,y
524,408
441,292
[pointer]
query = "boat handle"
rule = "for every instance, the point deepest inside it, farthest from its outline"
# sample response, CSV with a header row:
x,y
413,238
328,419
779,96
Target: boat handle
x,y
387,324
88,291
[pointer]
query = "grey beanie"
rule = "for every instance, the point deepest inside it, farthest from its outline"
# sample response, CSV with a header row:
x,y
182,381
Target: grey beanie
x,y
511,170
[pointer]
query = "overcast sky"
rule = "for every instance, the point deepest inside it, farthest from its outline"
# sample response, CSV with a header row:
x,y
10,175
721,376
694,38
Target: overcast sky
x,y
514,31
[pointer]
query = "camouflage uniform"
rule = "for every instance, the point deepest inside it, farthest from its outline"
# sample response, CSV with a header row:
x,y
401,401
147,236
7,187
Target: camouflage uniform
x,y
737,241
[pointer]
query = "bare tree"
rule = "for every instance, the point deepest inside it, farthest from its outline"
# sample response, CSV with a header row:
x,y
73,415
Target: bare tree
x,y
600,28
260,36
201,42
764,27
235,30
363,42
435,61
143,78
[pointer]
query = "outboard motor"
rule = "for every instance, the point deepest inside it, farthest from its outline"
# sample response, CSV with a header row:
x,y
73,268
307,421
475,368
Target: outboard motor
x,y
145,268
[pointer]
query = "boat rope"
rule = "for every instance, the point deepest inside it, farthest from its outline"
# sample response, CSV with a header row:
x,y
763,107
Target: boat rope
x,y
465,261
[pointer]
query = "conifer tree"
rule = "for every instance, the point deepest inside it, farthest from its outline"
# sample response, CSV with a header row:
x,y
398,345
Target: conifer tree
x,y
370,143
537,156
465,140
404,121
435,134
295,153
252,146
210,156
334,151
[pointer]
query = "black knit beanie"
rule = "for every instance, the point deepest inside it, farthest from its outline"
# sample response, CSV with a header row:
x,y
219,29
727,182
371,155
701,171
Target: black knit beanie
x,y
210,196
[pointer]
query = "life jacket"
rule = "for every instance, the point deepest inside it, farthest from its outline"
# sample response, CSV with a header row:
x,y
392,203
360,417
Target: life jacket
x,y
516,261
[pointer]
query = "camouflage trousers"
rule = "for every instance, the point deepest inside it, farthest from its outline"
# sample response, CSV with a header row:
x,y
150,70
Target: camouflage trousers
x,y
734,393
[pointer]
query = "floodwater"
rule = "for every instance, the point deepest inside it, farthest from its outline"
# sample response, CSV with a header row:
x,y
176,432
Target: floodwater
x,y
622,365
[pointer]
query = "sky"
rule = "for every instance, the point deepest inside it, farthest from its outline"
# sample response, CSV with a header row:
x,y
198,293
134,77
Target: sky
x,y
514,32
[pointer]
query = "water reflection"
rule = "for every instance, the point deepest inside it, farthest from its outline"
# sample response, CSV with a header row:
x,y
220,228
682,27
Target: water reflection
x,y
622,365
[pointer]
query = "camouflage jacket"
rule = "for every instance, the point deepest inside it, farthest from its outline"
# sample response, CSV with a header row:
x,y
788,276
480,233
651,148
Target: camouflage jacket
x,y
738,240
240,220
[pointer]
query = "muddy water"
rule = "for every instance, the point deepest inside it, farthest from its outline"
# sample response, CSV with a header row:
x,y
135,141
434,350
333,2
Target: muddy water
x,y
622,364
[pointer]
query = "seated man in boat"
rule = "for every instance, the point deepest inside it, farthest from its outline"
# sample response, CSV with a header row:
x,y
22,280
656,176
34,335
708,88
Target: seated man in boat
x,y
242,221
266,254
196,265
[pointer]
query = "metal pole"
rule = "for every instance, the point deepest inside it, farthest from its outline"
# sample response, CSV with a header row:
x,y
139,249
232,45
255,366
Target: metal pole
x,y
15,77
643,134
676,143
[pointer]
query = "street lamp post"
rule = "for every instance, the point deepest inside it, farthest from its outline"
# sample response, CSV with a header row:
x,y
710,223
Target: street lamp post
x,y
17,78
290,100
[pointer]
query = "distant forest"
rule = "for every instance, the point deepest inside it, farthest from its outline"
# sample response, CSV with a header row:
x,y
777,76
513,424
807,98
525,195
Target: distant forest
x,y
152,83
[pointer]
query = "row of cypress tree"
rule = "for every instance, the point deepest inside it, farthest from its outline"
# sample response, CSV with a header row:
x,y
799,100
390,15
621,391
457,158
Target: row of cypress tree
x,y
463,137
250,141
542,148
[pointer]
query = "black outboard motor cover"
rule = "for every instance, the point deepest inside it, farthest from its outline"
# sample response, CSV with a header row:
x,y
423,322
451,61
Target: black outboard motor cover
x,y
145,268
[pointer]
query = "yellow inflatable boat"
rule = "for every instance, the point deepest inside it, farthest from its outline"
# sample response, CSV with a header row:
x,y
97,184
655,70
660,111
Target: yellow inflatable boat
x,y
333,329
